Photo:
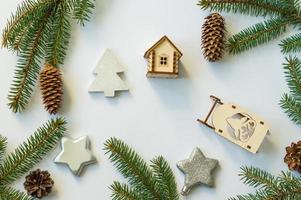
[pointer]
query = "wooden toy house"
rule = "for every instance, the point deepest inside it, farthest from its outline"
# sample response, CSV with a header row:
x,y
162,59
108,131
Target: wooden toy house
x,y
163,59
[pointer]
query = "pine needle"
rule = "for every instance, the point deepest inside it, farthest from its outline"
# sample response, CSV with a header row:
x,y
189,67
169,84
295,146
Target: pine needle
x,y
291,107
165,179
83,10
257,178
291,44
58,36
292,70
27,12
28,67
124,192
249,7
152,183
31,151
133,167
3,145
258,34
284,187
291,103
7,193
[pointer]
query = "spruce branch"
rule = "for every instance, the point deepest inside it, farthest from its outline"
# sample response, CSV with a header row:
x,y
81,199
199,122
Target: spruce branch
x,y
155,182
3,145
165,178
8,193
124,192
292,70
291,103
58,36
258,34
291,107
82,10
132,167
257,178
248,197
31,151
284,187
28,68
249,7
291,44
39,29
289,180
27,12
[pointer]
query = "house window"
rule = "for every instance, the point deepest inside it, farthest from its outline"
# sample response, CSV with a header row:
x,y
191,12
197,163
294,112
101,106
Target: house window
x,y
163,60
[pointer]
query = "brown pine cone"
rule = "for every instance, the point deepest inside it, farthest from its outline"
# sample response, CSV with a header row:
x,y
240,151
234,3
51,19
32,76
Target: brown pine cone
x,y
38,184
213,37
52,88
293,157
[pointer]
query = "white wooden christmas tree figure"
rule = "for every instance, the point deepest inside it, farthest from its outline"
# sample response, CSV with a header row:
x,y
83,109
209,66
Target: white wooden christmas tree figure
x,y
107,78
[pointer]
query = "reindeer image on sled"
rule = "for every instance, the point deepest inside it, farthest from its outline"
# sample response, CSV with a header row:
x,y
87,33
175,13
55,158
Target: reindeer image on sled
x,y
236,125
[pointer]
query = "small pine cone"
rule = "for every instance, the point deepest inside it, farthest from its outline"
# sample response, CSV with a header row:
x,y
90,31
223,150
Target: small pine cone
x,y
52,88
293,157
38,184
213,37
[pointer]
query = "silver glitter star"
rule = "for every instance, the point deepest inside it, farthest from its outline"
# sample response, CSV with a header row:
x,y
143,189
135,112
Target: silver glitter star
x,y
76,154
198,170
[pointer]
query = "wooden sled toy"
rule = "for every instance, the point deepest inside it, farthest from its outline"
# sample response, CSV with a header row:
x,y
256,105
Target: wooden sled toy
x,y
236,125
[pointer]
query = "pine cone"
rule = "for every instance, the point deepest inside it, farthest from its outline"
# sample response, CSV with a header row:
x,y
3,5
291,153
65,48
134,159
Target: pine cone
x,y
38,183
52,88
293,157
213,37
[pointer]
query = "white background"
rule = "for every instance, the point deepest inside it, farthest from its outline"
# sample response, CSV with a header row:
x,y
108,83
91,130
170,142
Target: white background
x,y
158,116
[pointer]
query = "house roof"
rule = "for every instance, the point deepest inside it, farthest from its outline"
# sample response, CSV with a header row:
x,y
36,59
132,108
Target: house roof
x,y
146,55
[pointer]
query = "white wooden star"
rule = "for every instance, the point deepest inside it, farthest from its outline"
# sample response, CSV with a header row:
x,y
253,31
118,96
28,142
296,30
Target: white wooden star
x,y
76,154
197,169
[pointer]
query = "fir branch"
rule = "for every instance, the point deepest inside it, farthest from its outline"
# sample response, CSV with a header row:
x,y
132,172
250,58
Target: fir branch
x,y
156,182
258,178
256,196
31,151
16,44
28,68
27,12
292,70
7,193
289,180
165,179
249,7
124,192
133,167
291,107
40,29
284,187
291,104
258,34
58,36
291,44
294,14
82,10
3,145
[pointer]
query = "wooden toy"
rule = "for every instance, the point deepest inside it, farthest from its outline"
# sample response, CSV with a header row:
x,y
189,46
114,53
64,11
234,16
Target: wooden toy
x,y
163,59
237,125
